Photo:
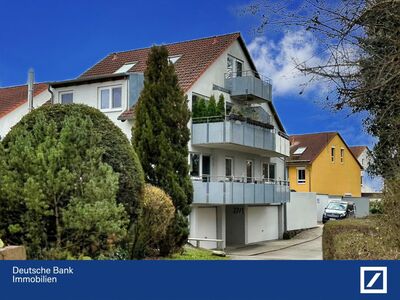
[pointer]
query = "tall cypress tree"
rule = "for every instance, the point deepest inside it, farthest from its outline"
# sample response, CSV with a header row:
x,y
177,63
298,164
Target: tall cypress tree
x,y
161,136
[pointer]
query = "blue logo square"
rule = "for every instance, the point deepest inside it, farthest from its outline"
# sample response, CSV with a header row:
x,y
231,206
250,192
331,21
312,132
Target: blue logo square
x,y
373,281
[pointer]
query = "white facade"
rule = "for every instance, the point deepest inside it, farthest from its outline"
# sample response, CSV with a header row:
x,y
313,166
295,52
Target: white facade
x,y
215,75
89,94
234,224
369,183
13,117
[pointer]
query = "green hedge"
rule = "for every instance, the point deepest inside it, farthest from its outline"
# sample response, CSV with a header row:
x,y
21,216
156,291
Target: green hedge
x,y
118,152
356,239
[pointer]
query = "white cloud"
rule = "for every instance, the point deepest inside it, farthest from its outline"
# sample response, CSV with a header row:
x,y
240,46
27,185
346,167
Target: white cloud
x,y
278,59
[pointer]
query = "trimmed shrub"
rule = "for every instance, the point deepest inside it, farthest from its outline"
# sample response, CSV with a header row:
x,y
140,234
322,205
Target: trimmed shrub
x,y
117,150
57,192
376,207
356,239
157,214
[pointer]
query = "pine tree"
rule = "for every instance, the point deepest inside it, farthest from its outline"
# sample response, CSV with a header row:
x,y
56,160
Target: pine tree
x,y
221,106
212,107
195,108
202,108
161,136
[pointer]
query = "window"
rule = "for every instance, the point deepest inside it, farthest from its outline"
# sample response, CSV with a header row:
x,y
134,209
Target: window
x,y
125,68
174,58
234,67
110,98
249,171
264,168
229,65
195,164
301,175
271,172
333,154
239,68
268,171
228,168
342,155
206,167
299,150
66,97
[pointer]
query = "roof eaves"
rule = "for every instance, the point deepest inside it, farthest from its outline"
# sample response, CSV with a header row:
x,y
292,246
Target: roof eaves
x,y
89,79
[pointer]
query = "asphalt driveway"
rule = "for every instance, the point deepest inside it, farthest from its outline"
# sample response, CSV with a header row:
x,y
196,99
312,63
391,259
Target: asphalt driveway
x,y
305,246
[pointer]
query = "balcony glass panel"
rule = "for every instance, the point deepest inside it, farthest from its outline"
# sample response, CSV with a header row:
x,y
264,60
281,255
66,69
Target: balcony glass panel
x,y
220,190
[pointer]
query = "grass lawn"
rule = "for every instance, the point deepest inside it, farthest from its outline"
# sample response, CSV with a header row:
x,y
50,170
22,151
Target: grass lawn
x,y
191,253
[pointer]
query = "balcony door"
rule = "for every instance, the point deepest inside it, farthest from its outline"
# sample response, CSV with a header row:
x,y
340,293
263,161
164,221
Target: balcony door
x,y
228,168
249,171
206,168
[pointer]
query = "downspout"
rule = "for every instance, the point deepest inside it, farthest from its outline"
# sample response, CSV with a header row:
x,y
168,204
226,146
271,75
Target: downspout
x,y
52,94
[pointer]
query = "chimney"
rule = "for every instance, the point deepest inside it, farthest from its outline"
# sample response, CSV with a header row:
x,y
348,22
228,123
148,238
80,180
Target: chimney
x,y
31,80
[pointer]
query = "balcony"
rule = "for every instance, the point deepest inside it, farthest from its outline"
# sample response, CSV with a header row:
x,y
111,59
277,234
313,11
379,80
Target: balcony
x,y
227,191
239,134
248,86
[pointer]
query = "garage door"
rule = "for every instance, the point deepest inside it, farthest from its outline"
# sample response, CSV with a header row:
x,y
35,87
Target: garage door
x,y
207,225
262,223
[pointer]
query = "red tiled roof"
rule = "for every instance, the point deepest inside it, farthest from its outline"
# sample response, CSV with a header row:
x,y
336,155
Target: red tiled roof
x,y
357,150
196,57
13,97
314,143
128,114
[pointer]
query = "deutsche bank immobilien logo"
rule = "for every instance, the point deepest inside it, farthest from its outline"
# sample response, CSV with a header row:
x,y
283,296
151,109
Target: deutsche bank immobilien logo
x,y
373,280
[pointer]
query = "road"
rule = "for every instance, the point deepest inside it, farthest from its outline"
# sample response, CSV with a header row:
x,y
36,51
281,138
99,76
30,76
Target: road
x,y
305,246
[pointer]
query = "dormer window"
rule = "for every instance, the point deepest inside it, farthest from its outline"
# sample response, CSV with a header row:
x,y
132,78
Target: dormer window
x,y
125,68
174,58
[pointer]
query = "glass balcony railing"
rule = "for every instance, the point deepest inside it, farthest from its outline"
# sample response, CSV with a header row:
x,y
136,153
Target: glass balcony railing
x,y
239,133
248,85
239,190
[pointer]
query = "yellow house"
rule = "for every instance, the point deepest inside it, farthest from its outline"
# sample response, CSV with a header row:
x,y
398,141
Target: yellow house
x,y
324,164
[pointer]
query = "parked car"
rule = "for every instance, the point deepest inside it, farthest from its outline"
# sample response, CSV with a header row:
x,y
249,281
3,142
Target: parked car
x,y
337,210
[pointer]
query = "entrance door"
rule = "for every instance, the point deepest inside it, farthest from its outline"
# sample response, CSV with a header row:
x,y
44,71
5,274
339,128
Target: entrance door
x,y
235,229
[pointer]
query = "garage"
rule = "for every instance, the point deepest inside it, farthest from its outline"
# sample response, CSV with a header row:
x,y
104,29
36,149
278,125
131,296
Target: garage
x,y
204,225
262,223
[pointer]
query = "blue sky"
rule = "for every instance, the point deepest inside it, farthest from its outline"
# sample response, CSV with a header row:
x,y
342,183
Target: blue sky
x,y
61,39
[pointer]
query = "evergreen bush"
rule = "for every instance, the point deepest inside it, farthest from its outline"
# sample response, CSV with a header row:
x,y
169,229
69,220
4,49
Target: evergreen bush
x,y
117,150
160,138
57,195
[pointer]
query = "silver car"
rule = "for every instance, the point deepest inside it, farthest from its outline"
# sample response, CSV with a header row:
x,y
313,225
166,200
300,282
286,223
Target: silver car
x,y
337,210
